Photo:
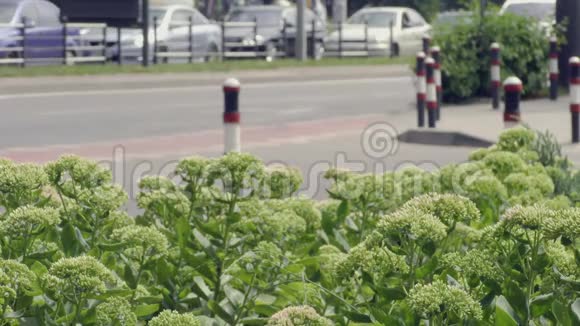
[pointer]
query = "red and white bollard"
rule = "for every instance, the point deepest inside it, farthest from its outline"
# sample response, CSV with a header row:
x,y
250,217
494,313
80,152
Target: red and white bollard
x,y
431,93
426,44
436,55
554,71
513,88
421,89
495,75
575,97
232,141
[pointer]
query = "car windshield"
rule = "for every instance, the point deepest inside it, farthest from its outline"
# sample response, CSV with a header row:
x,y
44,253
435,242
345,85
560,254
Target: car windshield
x,y
7,11
540,11
156,12
373,19
263,17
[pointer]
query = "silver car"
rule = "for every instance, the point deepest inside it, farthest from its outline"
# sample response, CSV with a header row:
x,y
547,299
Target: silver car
x,y
368,32
172,36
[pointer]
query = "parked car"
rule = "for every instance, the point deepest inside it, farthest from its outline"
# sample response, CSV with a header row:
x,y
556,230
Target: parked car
x,y
274,32
369,30
172,34
43,41
543,11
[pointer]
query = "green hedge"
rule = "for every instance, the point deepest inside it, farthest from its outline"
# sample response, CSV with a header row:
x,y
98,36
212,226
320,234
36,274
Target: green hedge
x,y
466,48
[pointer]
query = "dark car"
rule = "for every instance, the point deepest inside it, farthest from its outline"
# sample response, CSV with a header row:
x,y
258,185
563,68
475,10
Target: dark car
x,y
31,30
269,31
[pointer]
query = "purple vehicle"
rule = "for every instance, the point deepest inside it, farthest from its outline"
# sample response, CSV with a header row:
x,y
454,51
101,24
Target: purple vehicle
x,y
43,40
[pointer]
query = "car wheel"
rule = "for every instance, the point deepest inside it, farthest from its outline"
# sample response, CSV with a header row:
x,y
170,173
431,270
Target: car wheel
x,y
395,51
212,54
318,51
271,52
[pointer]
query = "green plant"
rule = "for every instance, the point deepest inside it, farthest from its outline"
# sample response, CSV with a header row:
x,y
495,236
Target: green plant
x,y
465,49
228,242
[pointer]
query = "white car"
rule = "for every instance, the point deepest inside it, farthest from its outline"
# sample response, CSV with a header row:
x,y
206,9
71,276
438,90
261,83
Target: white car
x,y
172,34
368,32
544,11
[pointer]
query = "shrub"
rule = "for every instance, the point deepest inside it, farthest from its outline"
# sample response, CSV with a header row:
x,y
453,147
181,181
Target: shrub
x,y
466,57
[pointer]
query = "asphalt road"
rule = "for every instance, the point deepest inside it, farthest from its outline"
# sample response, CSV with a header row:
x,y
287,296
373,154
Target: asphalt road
x,y
140,125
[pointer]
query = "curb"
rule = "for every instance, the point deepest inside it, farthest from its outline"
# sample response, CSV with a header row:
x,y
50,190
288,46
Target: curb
x,y
442,138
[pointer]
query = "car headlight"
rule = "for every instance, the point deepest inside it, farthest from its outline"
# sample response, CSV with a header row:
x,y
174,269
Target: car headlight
x,y
248,42
259,39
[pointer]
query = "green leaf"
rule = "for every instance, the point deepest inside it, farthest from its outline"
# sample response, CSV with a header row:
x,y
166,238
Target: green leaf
x,y
541,304
358,317
517,298
218,310
427,269
575,307
205,243
342,211
38,269
392,294
504,313
200,288
254,321
561,313
146,310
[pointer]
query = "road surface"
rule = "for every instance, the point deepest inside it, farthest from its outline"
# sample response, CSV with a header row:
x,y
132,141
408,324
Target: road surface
x,y
302,117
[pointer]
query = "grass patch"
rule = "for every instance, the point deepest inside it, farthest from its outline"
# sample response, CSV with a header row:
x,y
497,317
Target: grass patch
x,y
111,69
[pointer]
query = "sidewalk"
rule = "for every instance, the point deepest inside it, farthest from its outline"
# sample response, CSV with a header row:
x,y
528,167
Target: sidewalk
x,y
479,120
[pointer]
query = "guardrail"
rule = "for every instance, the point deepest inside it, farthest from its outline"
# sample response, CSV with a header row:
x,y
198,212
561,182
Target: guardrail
x,y
358,46
28,44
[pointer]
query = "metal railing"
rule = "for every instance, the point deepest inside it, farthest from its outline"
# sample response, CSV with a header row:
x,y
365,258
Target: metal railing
x,y
182,48
247,45
64,44
358,46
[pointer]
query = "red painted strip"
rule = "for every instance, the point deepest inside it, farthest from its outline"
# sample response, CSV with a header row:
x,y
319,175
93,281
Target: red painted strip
x,y
431,80
432,105
421,96
495,84
575,64
232,117
554,76
575,81
553,55
421,74
575,108
437,66
513,88
495,62
199,142
231,89
439,88
511,117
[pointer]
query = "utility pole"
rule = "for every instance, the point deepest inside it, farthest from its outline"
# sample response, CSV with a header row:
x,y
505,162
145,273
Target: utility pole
x,y
145,26
568,13
301,30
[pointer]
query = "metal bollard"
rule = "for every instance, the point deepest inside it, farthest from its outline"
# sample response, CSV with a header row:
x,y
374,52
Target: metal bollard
x,y
232,141
495,75
436,55
421,89
513,90
575,97
431,93
553,65
426,43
